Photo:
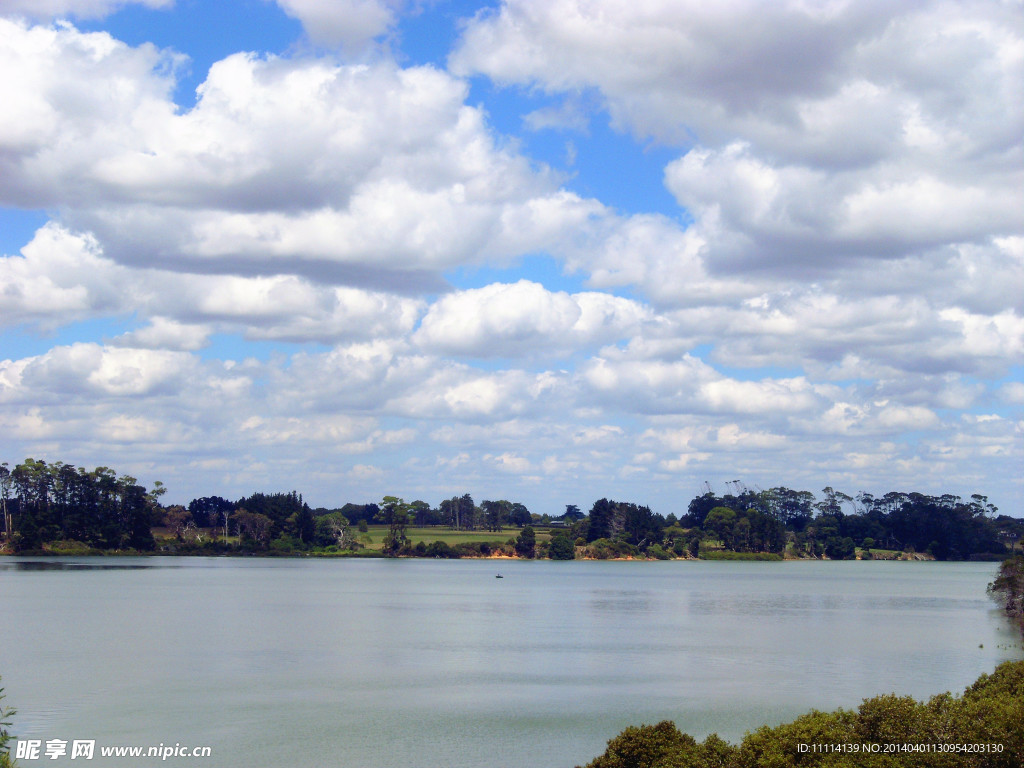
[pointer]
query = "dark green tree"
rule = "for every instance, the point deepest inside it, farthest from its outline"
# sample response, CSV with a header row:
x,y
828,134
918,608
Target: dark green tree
x,y
526,542
602,520
561,547
305,525
720,523
395,514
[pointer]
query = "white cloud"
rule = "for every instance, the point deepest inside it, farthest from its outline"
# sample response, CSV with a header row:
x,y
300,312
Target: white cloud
x,y
369,175
853,270
838,81
826,142
524,318
1012,392
349,23
63,277
84,9
163,333
104,371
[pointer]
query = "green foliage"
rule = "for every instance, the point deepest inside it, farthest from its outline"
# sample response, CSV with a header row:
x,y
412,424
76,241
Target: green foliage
x,y
711,554
561,547
70,548
44,502
658,553
285,543
632,523
526,543
396,514
1008,588
281,509
662,746
608,549
991,711
837,548
441,549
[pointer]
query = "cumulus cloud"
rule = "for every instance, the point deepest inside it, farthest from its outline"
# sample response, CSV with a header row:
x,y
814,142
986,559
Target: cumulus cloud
x,y
820,138
524,318
348,23
83,9
806,80
846,277
164,333
61,277
371,175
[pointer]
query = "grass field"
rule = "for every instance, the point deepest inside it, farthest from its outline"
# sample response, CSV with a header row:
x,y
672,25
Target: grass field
x,y
374,537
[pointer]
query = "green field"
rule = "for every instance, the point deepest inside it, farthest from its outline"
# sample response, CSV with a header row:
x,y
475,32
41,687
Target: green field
x,y
374,538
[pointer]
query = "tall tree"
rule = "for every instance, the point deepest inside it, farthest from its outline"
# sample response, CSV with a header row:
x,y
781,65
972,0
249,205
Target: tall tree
x,y
394,513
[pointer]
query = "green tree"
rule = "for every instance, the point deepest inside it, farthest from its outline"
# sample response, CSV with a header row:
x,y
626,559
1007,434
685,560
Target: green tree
x,y
395,514
526,542
333,529
253,526
719,523
561,547
496,514
519,515
305,525
1008,588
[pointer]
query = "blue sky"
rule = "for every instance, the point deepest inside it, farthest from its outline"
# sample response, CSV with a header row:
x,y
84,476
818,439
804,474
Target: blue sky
x,y
540,251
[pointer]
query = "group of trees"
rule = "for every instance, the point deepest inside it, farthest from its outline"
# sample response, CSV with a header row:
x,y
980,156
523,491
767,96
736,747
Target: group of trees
x,y
44,503
461,514
947,526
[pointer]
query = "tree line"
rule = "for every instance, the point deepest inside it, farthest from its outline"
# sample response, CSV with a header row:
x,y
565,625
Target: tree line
x,y
52,503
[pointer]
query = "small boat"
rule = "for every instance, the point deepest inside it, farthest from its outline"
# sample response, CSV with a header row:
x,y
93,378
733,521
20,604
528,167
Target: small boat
x,y
498,576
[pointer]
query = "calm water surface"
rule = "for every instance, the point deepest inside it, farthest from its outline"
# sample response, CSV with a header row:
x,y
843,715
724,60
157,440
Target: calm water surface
x,y
386,663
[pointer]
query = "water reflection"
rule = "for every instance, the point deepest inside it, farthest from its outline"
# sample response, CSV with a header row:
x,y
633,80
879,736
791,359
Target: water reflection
x,y
621,600
63,565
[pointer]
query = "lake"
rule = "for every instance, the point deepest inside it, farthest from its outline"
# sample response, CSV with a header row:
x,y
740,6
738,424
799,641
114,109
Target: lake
x,y
387,663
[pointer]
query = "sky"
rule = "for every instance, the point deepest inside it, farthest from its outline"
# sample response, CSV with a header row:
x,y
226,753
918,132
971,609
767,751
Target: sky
x,y
541,250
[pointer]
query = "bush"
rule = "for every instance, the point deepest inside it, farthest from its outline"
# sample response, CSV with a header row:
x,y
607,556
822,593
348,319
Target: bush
x,y
721,554
561,548
605,549
656,551
285,543
69,548
441,549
